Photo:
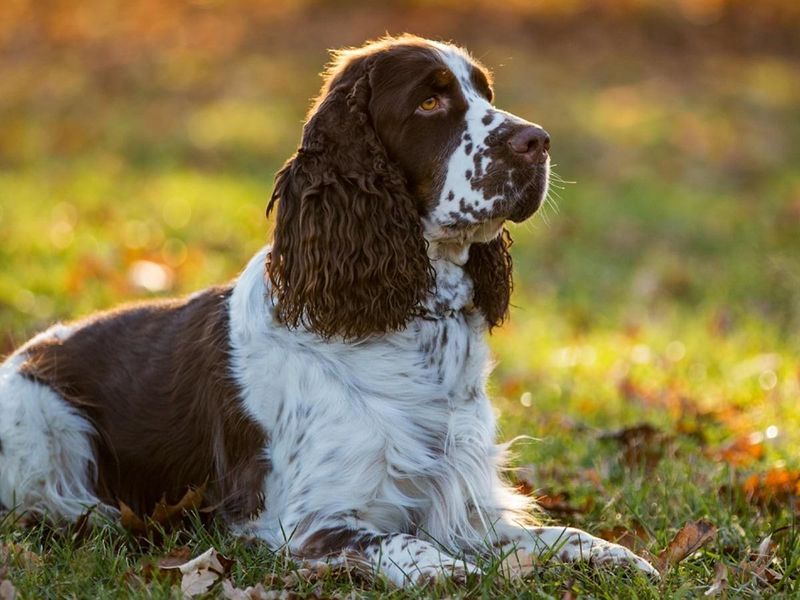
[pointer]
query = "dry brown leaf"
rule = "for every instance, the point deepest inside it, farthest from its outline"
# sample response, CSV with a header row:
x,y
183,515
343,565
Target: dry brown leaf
x,y
130,520
165,566
641,444
12,552
308,571
773,488
636,540
569,593
201,573
559,504
757,565
257,592
741,451
7,590
164,515
177,557
720,581
688,540
82,527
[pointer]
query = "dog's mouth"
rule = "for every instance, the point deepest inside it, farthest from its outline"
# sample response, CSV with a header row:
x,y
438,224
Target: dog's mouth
x,y
528,197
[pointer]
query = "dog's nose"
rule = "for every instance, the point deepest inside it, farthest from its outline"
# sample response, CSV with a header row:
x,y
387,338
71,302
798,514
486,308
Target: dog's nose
x,y
532,143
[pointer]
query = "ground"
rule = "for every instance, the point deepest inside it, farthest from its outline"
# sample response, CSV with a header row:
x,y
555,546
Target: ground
x,y
653,351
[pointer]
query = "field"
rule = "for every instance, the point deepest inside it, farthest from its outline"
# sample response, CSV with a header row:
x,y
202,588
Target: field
x,y
653,351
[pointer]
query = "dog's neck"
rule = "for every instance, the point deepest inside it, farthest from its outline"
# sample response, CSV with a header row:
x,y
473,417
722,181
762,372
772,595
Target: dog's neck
x,y
455,252
454,289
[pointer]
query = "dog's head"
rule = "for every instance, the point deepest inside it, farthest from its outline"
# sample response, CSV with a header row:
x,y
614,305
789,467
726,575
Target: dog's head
x,y
403,156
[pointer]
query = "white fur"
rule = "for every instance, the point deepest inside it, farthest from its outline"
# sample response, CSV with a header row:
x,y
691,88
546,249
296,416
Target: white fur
x,y
47,464
362,417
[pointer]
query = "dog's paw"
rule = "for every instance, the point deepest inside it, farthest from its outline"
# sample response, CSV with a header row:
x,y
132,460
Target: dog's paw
x,y
587,548
451,570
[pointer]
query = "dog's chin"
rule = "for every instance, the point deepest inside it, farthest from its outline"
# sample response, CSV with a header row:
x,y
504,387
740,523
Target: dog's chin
x,y
477,233
524,211
525,207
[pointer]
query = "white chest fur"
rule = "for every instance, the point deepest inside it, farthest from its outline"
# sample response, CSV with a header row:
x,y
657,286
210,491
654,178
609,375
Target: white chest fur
x,y
395,430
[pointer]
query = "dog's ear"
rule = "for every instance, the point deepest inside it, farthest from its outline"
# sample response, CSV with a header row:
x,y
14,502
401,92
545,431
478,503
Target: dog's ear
x,y
489,266
348,257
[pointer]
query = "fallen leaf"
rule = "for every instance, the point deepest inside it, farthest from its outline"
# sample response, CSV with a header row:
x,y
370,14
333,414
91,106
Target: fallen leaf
x,y
569,593
257,592
164,515
636,540
774,488
177,557
17,554
559,504
688,540
130,520
741,451
164,566
757,565
720,581
82,527
200,573
7,590
641,444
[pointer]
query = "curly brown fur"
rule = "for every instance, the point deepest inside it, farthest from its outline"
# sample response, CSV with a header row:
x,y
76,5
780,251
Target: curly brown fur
x,y
348,256
489,267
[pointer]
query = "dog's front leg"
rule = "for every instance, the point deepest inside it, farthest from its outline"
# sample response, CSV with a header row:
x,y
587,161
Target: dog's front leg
x,y
525,547
402,558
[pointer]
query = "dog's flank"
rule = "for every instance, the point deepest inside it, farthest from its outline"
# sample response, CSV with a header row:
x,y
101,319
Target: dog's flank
x,y
154,381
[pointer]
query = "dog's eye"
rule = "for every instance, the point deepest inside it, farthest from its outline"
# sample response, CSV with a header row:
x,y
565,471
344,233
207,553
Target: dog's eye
x,y
430,104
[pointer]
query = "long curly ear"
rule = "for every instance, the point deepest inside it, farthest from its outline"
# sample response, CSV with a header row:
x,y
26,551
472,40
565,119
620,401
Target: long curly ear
x,y
489,266
348,257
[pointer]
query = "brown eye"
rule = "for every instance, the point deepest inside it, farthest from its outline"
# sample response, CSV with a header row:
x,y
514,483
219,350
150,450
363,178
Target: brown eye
x,y
431,103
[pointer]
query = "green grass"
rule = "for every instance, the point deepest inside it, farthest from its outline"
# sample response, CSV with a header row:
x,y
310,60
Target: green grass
x,y
664,289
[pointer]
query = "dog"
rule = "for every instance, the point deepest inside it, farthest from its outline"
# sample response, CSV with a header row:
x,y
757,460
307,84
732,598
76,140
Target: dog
x,y
333,396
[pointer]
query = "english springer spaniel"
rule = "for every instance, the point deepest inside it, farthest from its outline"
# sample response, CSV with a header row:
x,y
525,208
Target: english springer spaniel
x,y
333,397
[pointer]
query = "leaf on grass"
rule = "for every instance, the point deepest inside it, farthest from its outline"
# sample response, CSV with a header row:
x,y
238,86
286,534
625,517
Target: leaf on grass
x,y
559,504
687,541
82,527
641,444
636,540
569,592
308,571
164,566
257,592
177,557
130,520
20,556
774,487
199,574
164,515
742,451
757,565
7,589
720,581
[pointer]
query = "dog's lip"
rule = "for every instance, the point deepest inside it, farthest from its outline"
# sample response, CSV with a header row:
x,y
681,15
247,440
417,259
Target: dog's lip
x,y
522,209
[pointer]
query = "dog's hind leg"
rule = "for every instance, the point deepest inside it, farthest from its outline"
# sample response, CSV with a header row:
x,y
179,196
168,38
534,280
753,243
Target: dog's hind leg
x,y
47,464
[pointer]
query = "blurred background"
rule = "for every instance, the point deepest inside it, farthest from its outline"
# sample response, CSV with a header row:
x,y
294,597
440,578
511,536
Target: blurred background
x,y
661,285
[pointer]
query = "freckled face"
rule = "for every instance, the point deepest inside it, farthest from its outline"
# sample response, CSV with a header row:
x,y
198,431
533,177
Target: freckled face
x,y
470,165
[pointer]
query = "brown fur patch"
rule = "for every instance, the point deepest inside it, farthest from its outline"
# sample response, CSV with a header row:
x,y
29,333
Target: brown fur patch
x,y
154,379
489,266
